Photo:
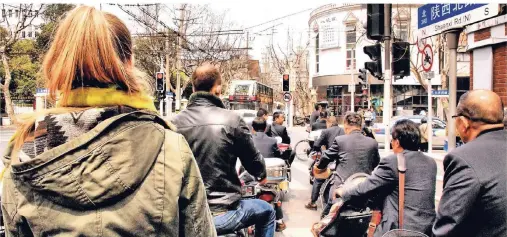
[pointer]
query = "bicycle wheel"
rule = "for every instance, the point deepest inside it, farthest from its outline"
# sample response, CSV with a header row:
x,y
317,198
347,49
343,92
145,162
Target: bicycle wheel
x,y
302,148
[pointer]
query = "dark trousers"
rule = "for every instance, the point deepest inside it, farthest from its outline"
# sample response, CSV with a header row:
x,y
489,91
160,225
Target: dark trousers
x,y
316,186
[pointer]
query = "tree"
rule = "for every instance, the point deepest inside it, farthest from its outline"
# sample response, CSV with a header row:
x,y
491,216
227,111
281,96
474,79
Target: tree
x,y
24,66
292,61
52,15
10,35
204,36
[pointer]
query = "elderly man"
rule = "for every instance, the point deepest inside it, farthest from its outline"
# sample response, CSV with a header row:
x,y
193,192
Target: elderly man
x,y
474,199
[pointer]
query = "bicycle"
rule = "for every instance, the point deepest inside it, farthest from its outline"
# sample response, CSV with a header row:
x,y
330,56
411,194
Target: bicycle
x,y
304,147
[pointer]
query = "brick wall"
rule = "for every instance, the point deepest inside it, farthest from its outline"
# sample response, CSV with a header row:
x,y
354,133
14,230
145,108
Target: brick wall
x,y
482,34
500,71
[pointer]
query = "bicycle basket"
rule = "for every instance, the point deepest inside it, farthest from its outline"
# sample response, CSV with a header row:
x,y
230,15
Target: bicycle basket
x,y
404,233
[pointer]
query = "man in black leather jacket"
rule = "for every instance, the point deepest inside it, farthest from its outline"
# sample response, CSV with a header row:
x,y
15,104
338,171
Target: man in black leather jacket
x,y
217,138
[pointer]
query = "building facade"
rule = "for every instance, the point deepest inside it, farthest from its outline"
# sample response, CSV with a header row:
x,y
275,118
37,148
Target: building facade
x,y
337,37
487,43
11,15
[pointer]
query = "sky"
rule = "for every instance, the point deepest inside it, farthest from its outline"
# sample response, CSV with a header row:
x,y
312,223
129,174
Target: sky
x,y
250,13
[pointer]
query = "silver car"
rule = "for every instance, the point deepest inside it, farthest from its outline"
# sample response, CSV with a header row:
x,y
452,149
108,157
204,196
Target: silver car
x,y
439,133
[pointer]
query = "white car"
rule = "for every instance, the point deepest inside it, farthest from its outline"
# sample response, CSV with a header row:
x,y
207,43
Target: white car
x,y
249,116
438,130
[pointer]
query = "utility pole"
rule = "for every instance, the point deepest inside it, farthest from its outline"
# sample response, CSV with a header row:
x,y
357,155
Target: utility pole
x,y
452,45
387,79
352,90
178,57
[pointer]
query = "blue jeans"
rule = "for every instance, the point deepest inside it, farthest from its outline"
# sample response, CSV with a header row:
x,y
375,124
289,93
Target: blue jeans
x,y
250,212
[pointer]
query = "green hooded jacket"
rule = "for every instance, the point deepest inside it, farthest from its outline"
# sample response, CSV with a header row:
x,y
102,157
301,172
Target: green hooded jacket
x,y
131,175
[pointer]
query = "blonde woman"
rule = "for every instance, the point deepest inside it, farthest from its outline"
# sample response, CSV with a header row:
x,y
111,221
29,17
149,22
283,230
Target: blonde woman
x,y
103,163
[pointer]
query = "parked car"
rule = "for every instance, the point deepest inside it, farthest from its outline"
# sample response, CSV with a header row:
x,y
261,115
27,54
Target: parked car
x,y
439,126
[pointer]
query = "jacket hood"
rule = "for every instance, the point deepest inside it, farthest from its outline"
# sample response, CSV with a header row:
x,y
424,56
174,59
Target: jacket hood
x,y
98,167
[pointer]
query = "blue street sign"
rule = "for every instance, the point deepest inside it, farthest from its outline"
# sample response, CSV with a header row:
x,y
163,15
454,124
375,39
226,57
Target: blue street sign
x,y
433,19
41,90
440,92
170,94
432,13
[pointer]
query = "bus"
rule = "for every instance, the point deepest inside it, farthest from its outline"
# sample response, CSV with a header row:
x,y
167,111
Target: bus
x,y
250,95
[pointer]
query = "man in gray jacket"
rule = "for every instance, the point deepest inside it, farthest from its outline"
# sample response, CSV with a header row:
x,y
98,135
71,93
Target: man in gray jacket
x,y
420,179
474,199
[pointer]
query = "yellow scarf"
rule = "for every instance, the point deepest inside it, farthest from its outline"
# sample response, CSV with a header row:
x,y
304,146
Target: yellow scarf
x,y
103,97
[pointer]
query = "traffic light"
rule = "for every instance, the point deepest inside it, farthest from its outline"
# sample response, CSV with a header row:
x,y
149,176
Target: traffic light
x,y
160,80
363,78
375,67
375,21
286,83
401,59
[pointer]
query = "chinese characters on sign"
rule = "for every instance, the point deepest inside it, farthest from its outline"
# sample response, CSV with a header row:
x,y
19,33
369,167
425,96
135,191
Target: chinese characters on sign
x,y
328,33
436,18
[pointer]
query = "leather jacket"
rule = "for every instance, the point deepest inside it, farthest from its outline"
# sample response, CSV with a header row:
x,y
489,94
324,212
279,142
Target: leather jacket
x,y
217,137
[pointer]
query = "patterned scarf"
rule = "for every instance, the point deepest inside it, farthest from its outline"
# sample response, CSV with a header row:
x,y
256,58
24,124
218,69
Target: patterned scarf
x,y
53,130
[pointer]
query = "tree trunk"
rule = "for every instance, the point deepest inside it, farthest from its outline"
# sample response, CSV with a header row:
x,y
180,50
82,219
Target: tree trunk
x,y
9,107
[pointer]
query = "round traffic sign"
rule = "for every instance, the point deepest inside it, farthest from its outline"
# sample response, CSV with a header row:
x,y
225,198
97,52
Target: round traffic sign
x,y
427,58
287,97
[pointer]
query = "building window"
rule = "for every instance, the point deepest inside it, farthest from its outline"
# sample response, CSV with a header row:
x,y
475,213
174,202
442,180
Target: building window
x,y
10,13
29,34
16,13
351,46
317,53
23,34
401,30
3,13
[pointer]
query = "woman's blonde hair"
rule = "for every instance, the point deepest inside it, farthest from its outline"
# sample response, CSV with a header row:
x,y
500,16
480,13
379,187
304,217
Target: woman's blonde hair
x,y
90,48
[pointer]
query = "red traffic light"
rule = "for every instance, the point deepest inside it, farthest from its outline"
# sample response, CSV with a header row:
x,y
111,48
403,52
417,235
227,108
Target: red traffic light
x,y
285,76
160,75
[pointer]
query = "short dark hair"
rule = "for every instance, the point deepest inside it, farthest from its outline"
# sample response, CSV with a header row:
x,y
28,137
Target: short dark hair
x,y
317,106
407,133
259,124
277,114
205,77
323,114
353,119
261,112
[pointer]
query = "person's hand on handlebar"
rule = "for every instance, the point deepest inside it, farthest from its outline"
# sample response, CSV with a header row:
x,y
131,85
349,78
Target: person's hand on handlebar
x,y
263,181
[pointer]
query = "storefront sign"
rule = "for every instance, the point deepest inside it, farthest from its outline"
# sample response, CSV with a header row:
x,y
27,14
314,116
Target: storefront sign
x,y
329,35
